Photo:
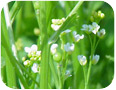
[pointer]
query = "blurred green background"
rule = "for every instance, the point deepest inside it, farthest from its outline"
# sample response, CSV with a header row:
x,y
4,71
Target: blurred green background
x,y
102,74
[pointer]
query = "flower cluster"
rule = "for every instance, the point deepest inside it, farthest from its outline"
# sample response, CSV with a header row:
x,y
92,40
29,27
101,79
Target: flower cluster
x,y
94,28
56,23
33,58
83,61
69,46
97,16
91,28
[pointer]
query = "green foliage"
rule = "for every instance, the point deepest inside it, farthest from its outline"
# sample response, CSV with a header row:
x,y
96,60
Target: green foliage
x,y
29,22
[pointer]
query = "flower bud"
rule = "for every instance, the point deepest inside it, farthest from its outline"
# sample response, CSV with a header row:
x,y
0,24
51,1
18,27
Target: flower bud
x,y
53,48
95,59
23,59
82,60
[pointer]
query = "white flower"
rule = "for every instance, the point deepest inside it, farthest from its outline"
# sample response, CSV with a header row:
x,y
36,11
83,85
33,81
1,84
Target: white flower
x,y
87,28
34,68
56,23
69,47
82,60
77,37
91,28
27,62
95,59
95,27
38,53
55,27
33,48
101,33
53,48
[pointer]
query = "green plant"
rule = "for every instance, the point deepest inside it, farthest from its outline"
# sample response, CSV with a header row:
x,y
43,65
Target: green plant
x,y
57,44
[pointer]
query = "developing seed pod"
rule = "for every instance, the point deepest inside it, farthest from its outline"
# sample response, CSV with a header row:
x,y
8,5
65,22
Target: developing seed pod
x,y
36,31
57,57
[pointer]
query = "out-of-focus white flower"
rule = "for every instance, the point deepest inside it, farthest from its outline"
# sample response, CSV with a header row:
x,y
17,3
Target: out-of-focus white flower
x,y
69,47
33,48
95,27
56,23
77,37
95,59
55,27
82,60
35,67
27,62
38,53
90,28
87,28
53,48
101,33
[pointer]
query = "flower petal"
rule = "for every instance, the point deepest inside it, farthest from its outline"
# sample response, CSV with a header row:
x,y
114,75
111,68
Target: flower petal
x,y
27,49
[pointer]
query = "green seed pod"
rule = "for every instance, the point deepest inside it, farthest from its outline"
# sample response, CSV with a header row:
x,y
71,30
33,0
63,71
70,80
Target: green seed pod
x,y
57,57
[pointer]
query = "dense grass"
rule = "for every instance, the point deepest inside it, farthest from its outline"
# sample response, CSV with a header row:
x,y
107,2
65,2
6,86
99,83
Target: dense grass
x,y
24,23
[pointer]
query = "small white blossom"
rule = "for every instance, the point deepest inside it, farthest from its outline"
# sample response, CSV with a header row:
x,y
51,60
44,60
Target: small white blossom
x,y
55,27
95,27
87,28
53,48
33,48
69,47
38,53
34,68
56,23
77,37
27,62
90,28
95,59
101,33
82,60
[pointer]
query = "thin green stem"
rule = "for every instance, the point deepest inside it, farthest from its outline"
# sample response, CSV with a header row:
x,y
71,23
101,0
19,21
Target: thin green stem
x,y
65,62
51,64
97,44
59,76
90,64
84,70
